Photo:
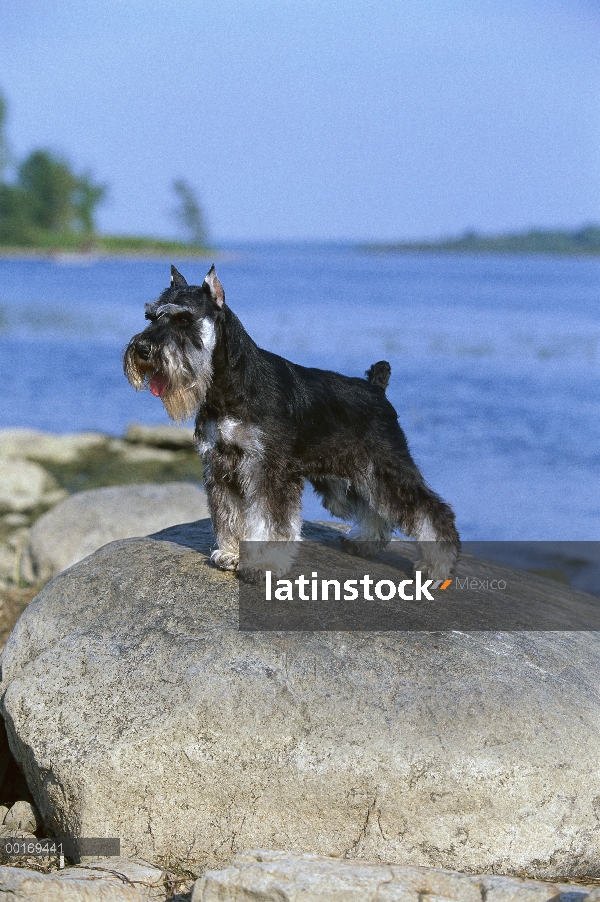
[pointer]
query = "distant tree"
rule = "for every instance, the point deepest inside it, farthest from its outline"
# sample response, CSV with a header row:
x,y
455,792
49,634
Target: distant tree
x,y
55,198
15,226
189,214
86,199
49,186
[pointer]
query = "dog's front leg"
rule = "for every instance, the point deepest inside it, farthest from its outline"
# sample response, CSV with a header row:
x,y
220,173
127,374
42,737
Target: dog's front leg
x,y
226,512
272,520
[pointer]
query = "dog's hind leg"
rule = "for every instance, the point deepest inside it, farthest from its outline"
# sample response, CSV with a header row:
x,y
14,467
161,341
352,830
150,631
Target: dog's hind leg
x,y
409,503
370,532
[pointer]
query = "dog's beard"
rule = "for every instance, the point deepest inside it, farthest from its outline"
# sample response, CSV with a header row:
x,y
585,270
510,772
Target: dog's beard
x,y
180,378
138,372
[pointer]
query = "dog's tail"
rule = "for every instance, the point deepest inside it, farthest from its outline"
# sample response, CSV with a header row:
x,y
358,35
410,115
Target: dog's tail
x,y
379,374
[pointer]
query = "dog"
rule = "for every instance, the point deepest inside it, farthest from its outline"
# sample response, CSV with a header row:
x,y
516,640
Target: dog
x,y
264,425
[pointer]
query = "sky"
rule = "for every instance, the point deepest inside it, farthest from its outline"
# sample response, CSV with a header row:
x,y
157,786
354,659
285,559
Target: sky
x,y
315,119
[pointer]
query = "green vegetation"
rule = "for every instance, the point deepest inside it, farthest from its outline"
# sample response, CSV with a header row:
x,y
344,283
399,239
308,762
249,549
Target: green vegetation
x,y
136,244
584,241
101,466
46,206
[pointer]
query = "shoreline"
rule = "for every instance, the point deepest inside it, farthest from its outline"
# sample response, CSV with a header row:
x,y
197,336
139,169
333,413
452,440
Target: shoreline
x,y
83,258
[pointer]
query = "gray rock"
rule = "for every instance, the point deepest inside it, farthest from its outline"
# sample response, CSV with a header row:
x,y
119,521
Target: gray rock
x,y
134,454
167,436
273,876
88,520
22,816
147,879
5,757
10,832
25,485
137,709
22,885
7,562
46,447
15,519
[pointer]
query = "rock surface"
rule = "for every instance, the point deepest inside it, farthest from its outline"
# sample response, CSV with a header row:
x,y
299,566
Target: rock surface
x,y
137,709
22,816
46,447
137,454
88,520
168,436
275,876
98,880
25,485
272,876
23,885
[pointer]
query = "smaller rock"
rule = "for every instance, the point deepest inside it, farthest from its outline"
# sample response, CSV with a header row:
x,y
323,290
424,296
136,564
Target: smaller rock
x,y
18,538
15,519
171,437
25,485
146,878
15,833
3,812
23,816
7,562
272,876
135,454
88,520
46,446
23,885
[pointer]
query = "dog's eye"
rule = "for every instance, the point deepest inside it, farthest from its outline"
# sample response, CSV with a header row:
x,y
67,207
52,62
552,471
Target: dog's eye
x,y
184,318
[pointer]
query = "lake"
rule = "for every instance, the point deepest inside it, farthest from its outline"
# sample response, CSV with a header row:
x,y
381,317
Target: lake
x,y
495,361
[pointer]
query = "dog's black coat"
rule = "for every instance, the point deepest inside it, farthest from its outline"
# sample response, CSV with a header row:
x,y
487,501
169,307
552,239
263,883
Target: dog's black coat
x,y
264,425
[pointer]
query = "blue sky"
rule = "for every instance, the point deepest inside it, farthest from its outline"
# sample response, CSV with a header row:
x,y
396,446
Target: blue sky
x,y
316,119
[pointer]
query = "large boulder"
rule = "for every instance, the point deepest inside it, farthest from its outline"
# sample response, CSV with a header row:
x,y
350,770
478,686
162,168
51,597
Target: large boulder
x,y
138,710
88,520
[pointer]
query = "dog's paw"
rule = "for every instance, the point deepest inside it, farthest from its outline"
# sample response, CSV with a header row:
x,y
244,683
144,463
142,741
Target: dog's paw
x,y
251,577
428,570
440,569
225,560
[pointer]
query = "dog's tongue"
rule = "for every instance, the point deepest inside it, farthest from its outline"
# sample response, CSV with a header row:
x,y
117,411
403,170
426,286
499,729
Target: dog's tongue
x,y
158,384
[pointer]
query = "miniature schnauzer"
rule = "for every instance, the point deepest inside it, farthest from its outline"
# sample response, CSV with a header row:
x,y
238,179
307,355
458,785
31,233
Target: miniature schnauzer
x,y
264,425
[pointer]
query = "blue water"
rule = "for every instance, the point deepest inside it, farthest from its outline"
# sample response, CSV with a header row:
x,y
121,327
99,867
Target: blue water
x,y
495,361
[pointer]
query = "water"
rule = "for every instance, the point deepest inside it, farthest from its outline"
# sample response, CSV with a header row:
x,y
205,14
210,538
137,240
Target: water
x,y
495,361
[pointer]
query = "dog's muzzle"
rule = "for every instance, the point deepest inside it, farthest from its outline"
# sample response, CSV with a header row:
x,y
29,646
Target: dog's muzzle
x,y
143,349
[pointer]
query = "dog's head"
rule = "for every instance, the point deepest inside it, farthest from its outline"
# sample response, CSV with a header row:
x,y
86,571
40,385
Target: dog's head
x,y
173,355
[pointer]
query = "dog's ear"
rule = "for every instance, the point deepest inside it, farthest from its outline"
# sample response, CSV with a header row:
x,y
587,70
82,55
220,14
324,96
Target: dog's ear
x,y
177,280
214,286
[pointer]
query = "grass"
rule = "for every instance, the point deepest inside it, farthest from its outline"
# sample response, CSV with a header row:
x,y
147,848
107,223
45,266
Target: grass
x,y
136,244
